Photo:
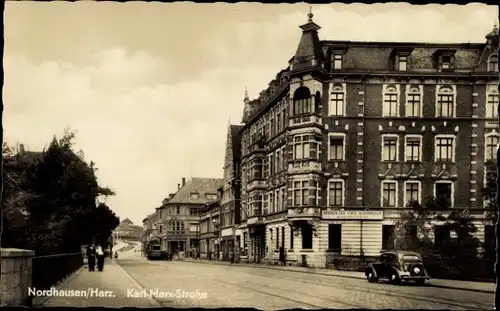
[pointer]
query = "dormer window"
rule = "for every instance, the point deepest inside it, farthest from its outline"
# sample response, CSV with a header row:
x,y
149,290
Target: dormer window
x,y
211,196
402,63
195,195
337,61
446,62
493,63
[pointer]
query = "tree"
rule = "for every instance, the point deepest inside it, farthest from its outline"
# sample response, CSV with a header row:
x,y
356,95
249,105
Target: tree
x,y
50,199
413,229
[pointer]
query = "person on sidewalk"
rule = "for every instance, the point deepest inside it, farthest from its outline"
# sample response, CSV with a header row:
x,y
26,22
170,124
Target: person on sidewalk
x,y
100,257
91,252
282,256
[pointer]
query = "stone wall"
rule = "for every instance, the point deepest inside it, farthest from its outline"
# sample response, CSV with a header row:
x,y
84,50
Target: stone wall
x,y
15,278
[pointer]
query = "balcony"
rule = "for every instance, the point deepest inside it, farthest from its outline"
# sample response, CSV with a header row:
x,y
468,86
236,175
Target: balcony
x,y
256,183
305,213
308,119
255,220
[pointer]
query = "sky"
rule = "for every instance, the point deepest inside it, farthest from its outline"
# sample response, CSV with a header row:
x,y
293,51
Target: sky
x,y
151,87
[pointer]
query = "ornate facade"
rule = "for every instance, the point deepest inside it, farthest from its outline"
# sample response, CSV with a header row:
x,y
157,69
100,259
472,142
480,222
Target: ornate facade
x,y
350,132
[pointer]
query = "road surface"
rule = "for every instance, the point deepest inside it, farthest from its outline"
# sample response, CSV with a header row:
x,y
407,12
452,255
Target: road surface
x,y
266,289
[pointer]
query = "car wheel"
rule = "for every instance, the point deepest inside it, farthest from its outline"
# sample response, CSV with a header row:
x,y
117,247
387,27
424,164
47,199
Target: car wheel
x,y
371,277
420,282
395,278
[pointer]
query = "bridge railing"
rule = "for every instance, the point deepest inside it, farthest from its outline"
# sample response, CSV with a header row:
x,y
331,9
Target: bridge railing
x,y
49,270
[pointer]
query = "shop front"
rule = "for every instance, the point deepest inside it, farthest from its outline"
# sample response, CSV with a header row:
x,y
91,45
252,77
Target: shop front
x,y
257,242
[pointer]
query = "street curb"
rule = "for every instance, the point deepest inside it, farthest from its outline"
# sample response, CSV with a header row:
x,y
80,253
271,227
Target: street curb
x,y
341,276
152,301
42,300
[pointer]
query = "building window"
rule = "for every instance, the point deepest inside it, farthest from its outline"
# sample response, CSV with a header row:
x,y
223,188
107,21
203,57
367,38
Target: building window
x,y
444,193
389,193
178,210
492,141
336,192
277,238
334,237
388,237
283,199
336,146
413,102
390,104
300,193
390,146
402,63
278,160
337,61
307,237
278,200
257,168
305,147
337,97
211,196
446,62
271,201
491,106
302,101
283,237
413,148
291,238
493,63
412,192
445,103
444,148
192,211
257,205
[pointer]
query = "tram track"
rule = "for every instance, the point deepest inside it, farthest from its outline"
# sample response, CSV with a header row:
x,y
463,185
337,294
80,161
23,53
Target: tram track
x,y
256,288
309,300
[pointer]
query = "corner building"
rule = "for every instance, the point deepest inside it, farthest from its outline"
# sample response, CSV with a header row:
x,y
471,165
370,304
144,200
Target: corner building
x,y
350,132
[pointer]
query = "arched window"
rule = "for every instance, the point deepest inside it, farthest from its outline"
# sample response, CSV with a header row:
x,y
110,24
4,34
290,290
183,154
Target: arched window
x,y
445,105
491,104
390,105
492,141
413,102
302,101
493,63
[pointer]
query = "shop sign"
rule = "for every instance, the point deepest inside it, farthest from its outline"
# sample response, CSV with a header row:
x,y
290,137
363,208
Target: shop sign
x,y
353,215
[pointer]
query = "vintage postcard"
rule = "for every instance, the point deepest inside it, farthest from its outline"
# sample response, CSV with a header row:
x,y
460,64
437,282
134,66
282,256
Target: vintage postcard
x,y
268,156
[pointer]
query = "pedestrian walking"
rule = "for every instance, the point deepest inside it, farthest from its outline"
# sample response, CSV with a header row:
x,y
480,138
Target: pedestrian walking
x,y
100,257
91,253
282,256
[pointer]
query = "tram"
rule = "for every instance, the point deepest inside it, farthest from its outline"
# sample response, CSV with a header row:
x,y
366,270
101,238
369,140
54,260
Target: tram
x,y
154,251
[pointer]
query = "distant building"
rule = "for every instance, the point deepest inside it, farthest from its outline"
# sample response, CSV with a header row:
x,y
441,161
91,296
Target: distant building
x,y
350,126
179,215
210,229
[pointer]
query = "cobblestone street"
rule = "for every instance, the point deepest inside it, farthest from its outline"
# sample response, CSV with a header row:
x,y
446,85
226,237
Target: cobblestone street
x,y
267,289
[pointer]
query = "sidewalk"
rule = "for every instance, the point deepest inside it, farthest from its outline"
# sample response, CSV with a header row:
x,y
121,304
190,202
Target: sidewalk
x,y
113,282
482,287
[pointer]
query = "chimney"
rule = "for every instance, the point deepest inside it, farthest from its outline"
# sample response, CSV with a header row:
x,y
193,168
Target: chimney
x,y
21,149
183,181
178,186
170,196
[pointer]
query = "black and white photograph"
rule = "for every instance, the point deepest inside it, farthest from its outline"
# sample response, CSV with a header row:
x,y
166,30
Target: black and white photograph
x,y
249,155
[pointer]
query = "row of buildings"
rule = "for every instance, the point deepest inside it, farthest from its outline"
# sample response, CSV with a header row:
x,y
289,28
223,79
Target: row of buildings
x,y
329,155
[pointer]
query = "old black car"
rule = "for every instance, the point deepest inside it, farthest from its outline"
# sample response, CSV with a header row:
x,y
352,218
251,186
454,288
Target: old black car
x,y
397,266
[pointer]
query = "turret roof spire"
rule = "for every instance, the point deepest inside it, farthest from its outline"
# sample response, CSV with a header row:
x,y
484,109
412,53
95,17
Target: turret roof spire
x,y
246,93
310,15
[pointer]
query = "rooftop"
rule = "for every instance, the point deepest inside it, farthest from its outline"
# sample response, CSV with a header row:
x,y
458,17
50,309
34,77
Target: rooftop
x,y
197,191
